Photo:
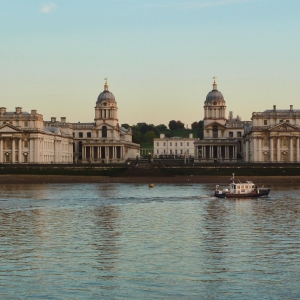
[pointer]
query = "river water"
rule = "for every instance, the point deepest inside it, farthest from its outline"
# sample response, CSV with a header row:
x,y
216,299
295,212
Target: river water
x,y
129,241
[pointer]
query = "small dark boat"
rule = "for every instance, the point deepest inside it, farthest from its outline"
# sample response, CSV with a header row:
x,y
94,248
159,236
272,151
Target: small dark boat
x,y
241,190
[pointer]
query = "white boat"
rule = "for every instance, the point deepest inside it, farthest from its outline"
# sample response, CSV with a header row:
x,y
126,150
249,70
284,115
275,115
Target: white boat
x,y
241,190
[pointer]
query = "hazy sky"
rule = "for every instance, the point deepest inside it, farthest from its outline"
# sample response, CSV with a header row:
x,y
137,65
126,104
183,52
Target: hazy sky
x,y
159,56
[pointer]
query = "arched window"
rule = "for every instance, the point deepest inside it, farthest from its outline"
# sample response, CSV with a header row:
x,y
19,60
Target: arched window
x,y
104,132
215,131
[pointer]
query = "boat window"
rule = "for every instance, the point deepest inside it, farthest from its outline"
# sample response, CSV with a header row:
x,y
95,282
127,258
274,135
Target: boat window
x,y
253,186
238,187
234,186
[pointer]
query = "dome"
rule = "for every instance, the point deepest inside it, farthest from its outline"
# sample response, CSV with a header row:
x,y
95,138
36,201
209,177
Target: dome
x,y
106,95
214,95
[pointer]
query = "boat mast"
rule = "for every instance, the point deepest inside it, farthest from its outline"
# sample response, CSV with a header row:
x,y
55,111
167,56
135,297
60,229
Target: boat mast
x,y
232,177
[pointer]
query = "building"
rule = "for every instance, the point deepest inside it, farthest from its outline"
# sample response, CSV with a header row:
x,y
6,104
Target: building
x,y
101,141
222,137
273,136
174,146
25,139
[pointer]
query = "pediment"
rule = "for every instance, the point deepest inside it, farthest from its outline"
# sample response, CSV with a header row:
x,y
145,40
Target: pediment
x,y
284,127
99,127
211,125
8,128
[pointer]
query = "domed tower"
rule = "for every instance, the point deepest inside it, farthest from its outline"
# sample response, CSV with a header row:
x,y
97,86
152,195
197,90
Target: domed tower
x,y
214,106
106,110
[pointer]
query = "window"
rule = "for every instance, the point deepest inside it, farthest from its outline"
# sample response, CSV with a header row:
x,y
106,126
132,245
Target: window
x,y
89,134
180,144
266,142
25,123
164,144
157,144
287,121
80,134
26,144
239,134
187,143
175,144
230,134
104,131
170,151
157,151
73,134
176,151
170,144
284,142
265,122
215,131
181,151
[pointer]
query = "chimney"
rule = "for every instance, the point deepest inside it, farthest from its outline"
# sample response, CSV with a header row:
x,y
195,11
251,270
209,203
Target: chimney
x,y
3,110
291,107
63,119
274,107
18,110
190,135
230,115
33,112
162,135
53,119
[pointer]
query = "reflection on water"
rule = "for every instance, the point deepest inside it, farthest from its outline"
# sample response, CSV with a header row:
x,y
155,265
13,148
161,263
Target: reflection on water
x,y
117,241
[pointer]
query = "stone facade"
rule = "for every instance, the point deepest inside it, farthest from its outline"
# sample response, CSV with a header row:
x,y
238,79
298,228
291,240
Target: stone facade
x,y
222,137
25,139
174,146
102,141
273,137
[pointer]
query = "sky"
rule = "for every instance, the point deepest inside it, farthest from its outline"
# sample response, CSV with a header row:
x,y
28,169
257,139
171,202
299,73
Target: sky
x,y
159,57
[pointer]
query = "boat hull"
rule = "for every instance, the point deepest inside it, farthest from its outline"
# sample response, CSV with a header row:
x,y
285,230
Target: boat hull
x,y
253,194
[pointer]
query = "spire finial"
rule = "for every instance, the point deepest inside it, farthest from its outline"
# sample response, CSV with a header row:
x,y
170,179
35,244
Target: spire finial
x,y
105,84
215,83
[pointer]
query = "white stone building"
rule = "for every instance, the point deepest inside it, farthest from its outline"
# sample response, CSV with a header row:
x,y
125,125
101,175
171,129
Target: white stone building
x,y
25,139
101,141
273,136
222,137
174,146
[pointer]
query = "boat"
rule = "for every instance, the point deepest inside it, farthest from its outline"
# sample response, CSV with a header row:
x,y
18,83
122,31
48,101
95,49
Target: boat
x,y
241,190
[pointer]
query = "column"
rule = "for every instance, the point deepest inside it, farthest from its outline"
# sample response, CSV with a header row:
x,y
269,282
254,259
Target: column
x,y
254,149
271,149
31,150
20,151
259,150
247,151
13,151
278,149
1,151
291,149
297,149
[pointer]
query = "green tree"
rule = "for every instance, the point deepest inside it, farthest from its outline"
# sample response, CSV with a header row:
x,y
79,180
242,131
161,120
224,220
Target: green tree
x,y
180,125
195,125
161,127
172,125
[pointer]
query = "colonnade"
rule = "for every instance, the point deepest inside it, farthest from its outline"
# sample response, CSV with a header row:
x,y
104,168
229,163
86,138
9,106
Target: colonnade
x,y
13,150
90,153
11,154
219,152
255,151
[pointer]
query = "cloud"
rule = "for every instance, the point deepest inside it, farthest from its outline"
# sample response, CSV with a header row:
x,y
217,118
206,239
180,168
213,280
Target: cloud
x,y
48,8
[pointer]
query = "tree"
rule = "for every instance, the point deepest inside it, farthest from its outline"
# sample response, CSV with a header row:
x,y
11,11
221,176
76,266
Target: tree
x,y
200,132
180,125
195,125
161,127
172,125
126,126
